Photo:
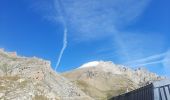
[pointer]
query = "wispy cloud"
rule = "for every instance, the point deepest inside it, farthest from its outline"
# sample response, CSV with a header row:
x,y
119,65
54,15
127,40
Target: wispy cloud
x,y
163,58
147,63
150,59
94,19
90,20
166,63
142,45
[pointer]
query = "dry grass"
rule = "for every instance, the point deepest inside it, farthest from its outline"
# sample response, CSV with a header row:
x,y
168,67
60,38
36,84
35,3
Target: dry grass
x,y
10,78
40,97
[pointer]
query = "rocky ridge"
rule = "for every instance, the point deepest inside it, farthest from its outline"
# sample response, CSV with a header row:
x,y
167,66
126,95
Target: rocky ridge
x,y
23,78
102,80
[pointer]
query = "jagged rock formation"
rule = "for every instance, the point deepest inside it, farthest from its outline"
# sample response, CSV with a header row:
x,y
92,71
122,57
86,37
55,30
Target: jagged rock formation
x,y
102,80
23,78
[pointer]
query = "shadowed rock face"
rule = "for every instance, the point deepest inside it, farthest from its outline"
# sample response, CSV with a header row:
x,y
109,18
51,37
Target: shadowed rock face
x,y
23,78
103,80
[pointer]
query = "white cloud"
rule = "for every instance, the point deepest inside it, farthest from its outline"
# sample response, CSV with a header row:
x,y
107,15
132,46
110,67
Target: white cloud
x,y
163,58
136,45
148,60
94,19
147,63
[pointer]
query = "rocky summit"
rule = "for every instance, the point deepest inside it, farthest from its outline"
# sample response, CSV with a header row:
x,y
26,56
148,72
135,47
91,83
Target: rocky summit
x,y
23,78
103,80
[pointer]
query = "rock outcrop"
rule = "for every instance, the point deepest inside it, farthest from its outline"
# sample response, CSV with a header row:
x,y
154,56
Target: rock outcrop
x,y
23,78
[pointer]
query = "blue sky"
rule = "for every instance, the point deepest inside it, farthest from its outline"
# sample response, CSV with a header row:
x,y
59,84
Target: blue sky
x,y
129,32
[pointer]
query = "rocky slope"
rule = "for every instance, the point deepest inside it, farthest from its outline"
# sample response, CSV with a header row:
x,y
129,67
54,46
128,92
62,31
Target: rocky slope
x,y
23,78
102,80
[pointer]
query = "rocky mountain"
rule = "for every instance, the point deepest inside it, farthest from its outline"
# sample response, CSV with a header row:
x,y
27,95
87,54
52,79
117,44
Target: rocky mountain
x,y
31,78
102,80
23,78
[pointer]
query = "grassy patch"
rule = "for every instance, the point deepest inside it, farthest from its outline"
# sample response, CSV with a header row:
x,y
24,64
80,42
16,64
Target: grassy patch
x,y
40,97
10,78
2,88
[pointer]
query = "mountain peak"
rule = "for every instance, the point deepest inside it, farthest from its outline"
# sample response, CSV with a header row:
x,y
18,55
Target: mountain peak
x,y
97,76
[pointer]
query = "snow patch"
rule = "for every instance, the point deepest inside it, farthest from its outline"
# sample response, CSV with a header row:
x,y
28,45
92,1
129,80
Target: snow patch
x,y
90,64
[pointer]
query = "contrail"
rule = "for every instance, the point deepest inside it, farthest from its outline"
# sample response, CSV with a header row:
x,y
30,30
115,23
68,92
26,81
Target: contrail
x,y
62,13
63,48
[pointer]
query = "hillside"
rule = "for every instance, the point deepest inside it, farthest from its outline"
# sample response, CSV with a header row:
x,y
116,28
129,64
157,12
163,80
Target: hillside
x,y
31,78
102,80
23,78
